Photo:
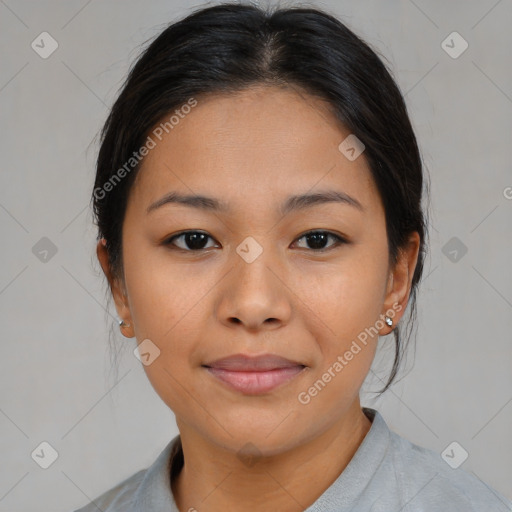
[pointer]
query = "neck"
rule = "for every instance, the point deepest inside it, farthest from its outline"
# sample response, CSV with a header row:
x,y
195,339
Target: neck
x,y
215,479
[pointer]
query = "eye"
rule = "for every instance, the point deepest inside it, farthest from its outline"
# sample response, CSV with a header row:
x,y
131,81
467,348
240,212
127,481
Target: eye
x,y
193,241
318,239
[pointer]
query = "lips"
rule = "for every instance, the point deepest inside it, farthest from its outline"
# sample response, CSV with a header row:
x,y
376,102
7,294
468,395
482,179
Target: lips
x,y
254,375
246,363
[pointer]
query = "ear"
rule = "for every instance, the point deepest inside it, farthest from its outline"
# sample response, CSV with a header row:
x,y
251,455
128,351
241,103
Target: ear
x,y
400,279
117,288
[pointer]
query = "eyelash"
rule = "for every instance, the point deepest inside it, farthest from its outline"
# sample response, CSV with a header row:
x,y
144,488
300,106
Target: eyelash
x,y
339,240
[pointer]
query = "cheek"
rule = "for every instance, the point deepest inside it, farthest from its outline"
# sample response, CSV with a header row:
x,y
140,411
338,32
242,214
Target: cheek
x,y
167,304
163,296
347,297
347,303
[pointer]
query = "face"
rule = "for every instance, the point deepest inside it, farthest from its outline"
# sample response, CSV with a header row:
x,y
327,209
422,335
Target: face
x,y
259,272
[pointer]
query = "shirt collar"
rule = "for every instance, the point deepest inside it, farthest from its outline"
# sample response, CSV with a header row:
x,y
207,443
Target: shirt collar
x,y
154,492
356,476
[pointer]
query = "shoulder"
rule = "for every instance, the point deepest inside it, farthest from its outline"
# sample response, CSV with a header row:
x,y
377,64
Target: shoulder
x,y
426,480
118,497
148,489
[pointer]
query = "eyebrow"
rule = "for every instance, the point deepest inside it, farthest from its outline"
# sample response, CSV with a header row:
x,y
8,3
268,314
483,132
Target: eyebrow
x,y
293,203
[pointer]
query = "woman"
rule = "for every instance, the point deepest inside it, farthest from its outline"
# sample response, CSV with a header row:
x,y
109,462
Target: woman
x,y
258,200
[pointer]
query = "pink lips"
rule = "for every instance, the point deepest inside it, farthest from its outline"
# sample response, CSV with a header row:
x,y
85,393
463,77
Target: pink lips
x,y
253,375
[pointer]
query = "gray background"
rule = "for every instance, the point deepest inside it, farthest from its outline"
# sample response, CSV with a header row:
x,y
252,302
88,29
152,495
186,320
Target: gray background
x,y
56,380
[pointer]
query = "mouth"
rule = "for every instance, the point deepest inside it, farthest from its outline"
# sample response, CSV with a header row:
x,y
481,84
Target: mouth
x,y
254,375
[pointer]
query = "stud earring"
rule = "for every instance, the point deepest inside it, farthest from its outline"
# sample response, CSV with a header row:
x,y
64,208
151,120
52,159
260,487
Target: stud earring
x,y
123,324
389,321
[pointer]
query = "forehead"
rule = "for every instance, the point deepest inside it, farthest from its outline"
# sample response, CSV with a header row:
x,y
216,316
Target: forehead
x,y
262,143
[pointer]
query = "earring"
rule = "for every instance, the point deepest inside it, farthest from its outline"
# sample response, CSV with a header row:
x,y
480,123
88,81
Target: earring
x,y
389,321
122,324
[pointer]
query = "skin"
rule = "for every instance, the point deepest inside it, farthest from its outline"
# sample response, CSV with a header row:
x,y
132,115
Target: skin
x,y
253,150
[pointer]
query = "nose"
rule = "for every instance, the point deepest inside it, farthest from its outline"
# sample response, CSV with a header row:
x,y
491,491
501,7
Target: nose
x,y
254,295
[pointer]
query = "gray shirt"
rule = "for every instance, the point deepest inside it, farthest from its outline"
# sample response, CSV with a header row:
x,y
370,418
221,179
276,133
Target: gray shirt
x,y
386,474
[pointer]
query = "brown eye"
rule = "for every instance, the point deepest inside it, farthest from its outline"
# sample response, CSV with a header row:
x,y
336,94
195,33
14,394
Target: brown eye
x,y
317,240
190,240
